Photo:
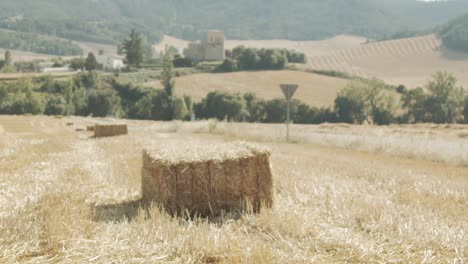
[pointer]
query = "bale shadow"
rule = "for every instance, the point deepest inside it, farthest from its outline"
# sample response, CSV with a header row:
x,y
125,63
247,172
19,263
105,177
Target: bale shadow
x,y
114,213
128,211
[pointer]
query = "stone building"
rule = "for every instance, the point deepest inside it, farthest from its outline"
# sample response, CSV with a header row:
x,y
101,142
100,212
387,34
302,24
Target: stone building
x,y
209,49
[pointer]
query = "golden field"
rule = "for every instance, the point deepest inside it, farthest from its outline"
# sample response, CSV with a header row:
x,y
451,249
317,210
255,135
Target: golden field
x,y
343,194
314,89
409,61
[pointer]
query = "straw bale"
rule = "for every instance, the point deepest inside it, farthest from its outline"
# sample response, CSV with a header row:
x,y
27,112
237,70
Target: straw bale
x,y
207,179
90,128
79,129
69,124
109,130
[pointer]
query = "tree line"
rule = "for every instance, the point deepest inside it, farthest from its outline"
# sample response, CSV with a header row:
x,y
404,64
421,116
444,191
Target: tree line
x,y
242,58
442,100
38,44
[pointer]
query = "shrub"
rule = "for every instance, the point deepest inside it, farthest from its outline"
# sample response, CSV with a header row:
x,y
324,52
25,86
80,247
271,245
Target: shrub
x,y
363,98
350,109
228,65
414,101
445,99
181,62
465,110
222,105
275,111
255,108
56,105
103,102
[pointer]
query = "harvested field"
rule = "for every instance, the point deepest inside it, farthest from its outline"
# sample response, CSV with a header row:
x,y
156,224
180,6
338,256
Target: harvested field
x,y
409,61
357,196
110,130
207,179
314,89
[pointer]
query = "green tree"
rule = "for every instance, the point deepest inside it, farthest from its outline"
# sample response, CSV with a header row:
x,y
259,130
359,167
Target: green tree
x,y
133,49
350,109
445,99
8,63
377,100
465,110
8,60
143,108
91,62
56,105
414,101
228,65
103,102
167,75
255,107
222,105
77,64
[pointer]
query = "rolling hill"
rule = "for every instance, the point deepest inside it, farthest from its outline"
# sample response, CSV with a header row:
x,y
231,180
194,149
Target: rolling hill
x,y
109,20
409,61
455,34
316,90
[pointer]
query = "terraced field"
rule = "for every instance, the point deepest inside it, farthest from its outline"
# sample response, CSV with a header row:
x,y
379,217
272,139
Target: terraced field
x,y
408,61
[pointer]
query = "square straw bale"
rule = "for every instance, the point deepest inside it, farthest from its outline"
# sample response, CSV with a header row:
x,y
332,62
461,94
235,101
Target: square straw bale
x,y
109,130
207,179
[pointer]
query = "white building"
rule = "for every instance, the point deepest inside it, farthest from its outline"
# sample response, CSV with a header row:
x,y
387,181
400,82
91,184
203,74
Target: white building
x,y
110,63
65,68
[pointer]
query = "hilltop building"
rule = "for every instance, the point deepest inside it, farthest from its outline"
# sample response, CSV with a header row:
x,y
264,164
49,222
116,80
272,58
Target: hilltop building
x,y
209,49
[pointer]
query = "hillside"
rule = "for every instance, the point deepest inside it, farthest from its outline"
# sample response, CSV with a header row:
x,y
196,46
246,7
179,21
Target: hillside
x,y
455,34
108,21
409,61
316,90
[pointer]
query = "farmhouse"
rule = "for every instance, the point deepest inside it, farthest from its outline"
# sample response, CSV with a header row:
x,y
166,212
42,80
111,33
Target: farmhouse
x,y
209,49
110,63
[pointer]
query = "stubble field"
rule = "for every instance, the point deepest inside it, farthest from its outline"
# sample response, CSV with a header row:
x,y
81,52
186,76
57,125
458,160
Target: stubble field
x,y
314,89
343,194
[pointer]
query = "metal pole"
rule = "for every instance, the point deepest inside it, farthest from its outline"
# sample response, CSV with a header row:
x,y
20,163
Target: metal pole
x,y
287,121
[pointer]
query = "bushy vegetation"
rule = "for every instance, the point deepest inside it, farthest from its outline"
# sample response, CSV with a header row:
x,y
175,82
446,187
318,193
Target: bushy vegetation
x,y
442,101
366,100
361,101
39,44
247,59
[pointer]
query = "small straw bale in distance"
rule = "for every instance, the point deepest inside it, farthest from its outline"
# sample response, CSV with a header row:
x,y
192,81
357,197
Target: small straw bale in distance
x,y
207,179
110,130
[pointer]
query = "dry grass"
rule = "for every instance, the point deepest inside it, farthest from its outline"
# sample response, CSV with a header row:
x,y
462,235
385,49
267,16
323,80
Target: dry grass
x,y
314,89
409,61
67,198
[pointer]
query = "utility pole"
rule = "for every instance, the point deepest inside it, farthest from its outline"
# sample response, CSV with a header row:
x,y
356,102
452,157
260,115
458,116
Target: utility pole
x,y
288,90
